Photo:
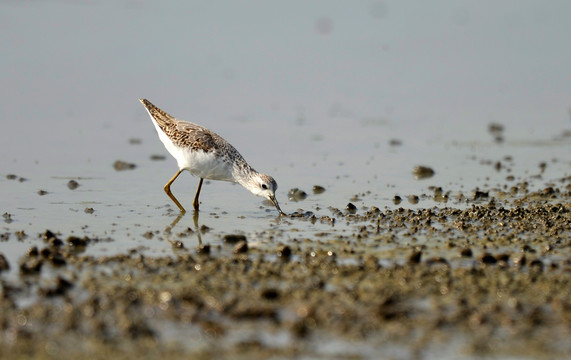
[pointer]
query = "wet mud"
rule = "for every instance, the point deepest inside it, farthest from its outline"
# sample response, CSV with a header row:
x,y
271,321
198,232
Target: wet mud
x,y
489,279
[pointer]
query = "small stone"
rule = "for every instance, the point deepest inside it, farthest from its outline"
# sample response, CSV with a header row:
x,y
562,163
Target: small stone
x,y
31,266
318,189
413,199
57,260
72,184
415,257
89,210
270,294
503,257
422,172
479,195
76,241
46,252
11,177
203,249
495,128
122,165
466,252
156,157
7,218
395,142
177,244
42,192
296,194
397,200
351,208
32,252
234,238
60,287
55,242
284,252
241,247
488,258
48,234
374,210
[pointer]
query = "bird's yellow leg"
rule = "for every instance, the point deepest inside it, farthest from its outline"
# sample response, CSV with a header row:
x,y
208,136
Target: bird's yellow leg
x,y
169,193
195,202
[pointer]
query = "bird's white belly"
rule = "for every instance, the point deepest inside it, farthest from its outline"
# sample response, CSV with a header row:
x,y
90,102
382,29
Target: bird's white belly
x,y
206,165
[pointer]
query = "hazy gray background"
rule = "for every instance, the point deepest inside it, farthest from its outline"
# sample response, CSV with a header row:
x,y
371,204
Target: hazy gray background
x,y
70,68
309,91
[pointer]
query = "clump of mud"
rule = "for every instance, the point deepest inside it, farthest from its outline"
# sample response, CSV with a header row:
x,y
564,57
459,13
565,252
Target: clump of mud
x,y
120,165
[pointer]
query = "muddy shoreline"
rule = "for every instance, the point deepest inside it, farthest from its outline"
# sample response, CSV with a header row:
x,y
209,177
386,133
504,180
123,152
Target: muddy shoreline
x,y
491,279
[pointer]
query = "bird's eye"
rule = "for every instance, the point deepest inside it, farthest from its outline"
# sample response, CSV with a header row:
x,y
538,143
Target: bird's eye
x,y
264,186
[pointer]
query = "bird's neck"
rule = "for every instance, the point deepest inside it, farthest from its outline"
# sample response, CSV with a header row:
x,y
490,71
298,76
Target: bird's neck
x,y
244,175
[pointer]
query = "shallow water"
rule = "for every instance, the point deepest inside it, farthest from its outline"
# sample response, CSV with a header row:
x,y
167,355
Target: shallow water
x,y
311,93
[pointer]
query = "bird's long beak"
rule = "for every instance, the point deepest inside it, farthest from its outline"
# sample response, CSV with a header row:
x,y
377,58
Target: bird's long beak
x,y
275,202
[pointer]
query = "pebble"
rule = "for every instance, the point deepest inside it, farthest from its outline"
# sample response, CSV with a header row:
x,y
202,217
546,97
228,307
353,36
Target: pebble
x,y
234,238
351,209
77,241
415,257
72,184
487,258
156,157
318,189
33,251
270,294
479,195
413,199
30,266
284,252
395,142
422,172
203,249
123,165
7,218
296,194
466,252
241,247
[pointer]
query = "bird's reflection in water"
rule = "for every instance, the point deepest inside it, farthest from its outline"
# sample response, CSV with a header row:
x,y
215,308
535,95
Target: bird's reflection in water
x,y
177,243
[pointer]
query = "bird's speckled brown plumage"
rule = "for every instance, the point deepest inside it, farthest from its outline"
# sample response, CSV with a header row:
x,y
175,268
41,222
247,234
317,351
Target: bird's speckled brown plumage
x,y
193,136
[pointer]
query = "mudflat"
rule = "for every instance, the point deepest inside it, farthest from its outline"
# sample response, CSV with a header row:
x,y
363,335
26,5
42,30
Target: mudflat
x,y
492,278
